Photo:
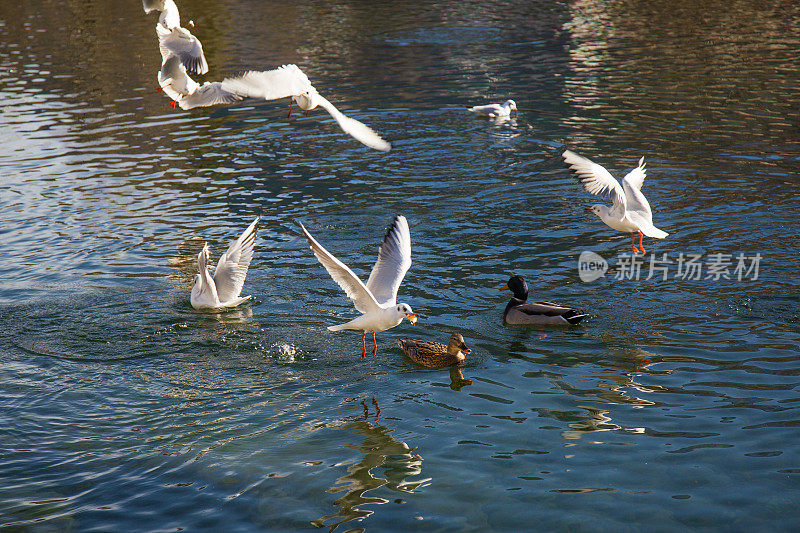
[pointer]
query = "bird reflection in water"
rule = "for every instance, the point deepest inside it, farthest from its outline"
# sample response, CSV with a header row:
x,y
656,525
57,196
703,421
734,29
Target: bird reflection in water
x,y
457,379
397,459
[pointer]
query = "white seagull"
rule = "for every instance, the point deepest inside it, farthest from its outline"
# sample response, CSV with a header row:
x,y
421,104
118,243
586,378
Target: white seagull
x,y
184,91
174,39
495,110
223,289
287,81
630,211
377,300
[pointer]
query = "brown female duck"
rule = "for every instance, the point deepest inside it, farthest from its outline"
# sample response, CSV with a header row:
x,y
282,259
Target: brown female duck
x,y
435,354
519,311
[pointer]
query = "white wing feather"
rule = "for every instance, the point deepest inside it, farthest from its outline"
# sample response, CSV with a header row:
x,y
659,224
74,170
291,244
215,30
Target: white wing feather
x,y
598,181
152,5
182,43
282,82
208,94
636,176
489,109
232,267
394,260
355,289
358,130
645,225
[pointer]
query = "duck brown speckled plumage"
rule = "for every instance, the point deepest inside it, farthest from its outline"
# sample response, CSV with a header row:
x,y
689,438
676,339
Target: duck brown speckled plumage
x,y
435,354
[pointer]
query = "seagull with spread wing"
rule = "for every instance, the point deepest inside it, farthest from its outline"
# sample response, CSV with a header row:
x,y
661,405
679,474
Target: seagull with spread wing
x,y
286,81
630,212
377,300
223,288
174,39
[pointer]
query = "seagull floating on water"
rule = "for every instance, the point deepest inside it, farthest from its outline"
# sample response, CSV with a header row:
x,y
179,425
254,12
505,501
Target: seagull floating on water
x,y
630,211
174,39
519,311
223,289
377,300
495,110
287,81
435,354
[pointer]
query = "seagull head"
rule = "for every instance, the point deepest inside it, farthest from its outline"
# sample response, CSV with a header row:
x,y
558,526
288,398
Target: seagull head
x,y
511,104
598,209
405,310
307,100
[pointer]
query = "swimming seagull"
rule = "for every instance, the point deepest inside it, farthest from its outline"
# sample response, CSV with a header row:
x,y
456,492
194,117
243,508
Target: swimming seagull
x,y
223,289
377,300
174,39
283,82
630,211
495,110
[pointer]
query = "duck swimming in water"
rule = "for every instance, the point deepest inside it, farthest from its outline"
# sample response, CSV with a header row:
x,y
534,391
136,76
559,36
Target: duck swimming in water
x,y
435,354
518,311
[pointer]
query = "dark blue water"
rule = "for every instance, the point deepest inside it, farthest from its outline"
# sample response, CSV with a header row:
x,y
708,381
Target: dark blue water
x,y
674,405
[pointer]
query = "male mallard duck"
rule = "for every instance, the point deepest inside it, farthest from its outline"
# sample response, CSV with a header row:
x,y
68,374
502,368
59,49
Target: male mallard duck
x,y
435,354
518,311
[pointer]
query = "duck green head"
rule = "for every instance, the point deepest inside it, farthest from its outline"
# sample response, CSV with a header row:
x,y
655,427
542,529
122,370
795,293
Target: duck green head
x,y
516,284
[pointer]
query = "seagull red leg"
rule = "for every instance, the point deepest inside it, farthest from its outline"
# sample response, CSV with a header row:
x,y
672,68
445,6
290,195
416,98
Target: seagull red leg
x,y
374,345
633,243
363,345
640,242
291,101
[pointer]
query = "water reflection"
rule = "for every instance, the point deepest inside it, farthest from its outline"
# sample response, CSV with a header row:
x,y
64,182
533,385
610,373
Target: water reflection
x,y
397,460
457,379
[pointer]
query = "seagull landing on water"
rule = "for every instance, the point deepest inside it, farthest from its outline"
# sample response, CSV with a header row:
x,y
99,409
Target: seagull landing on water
x,y
223,288
287,81
377,300
495,110
630,212
174,39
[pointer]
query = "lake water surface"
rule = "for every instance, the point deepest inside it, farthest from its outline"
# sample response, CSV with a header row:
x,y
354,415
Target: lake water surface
x,y
674,405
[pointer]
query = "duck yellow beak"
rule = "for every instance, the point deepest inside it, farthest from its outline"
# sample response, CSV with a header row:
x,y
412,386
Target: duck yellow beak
x,y
465,349
504,288
411,318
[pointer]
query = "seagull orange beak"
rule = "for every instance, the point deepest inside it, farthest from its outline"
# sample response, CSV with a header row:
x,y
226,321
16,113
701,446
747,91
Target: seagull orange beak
x,y
191,24
504,288
411,317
